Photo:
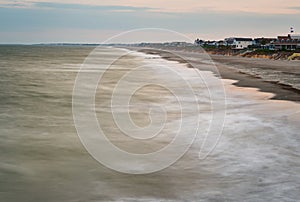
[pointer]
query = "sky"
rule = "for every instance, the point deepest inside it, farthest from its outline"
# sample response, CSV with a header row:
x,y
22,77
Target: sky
x,y
96,21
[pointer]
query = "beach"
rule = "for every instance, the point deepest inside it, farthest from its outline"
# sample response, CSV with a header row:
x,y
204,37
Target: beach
x,y
254,157
280,77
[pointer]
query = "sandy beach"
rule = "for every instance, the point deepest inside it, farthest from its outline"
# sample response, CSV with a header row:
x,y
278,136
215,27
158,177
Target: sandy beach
x,y
280,77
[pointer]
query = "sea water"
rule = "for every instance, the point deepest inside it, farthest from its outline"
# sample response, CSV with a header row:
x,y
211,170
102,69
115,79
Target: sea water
x,y
42,158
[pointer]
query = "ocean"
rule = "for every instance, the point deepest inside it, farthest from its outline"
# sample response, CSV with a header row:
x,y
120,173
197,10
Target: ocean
x,y
109,124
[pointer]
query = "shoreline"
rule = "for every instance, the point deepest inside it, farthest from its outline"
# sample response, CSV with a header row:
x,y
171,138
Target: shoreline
x,y
240,70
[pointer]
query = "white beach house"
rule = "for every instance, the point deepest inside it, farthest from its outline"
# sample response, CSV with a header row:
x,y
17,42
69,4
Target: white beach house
x,y
239,43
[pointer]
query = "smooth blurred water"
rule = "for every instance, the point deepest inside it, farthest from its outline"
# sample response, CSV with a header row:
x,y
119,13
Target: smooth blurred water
x,y
42,159
38,140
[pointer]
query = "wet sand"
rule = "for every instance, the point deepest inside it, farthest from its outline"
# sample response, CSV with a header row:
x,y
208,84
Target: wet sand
x,y
280,77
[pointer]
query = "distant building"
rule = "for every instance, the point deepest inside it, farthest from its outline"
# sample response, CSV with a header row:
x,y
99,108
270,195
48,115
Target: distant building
x,y
199,42
289,42
211,43
221,43
177,44
264,43
239,43
297,38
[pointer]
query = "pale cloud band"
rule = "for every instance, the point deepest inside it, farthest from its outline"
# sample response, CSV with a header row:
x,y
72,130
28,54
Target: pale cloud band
x,y
254,6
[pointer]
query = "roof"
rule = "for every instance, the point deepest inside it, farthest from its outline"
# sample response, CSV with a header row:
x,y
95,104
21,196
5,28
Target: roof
x,y
283,37
266,39
243,39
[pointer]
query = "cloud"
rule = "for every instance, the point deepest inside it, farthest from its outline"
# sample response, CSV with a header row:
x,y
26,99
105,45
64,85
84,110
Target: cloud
x,y
295,8
89,7
177,6
74,6
14,4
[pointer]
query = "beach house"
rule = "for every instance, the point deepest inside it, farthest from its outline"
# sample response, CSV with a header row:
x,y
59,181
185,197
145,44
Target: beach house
x,y
289,42
239,43
296,37
264,43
